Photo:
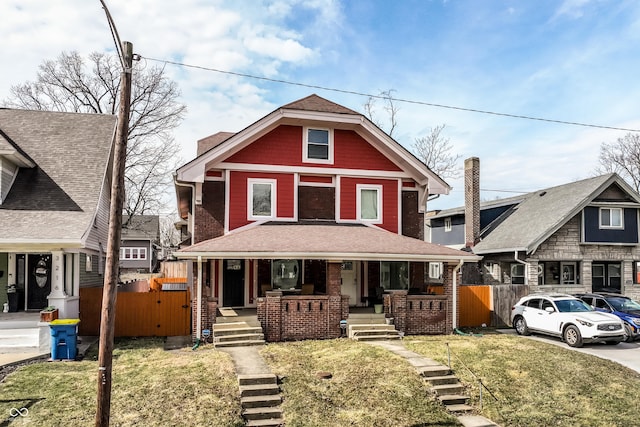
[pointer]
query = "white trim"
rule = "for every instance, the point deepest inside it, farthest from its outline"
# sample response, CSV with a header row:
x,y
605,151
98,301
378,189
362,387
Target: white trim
x,y
379,190
227,195
305,145
273,183
310,170
317,184
329,256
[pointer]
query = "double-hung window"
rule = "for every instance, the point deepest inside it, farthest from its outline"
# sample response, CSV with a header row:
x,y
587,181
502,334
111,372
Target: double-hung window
x,y
133,253
611,218
262,199
318,145
369,203
517,274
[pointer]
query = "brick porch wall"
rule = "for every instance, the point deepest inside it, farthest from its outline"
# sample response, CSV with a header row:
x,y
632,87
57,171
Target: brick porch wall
x,y
422,314
286,318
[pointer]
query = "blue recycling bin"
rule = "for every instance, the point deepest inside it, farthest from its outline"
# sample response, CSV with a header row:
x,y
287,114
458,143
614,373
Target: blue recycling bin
x,y
64,338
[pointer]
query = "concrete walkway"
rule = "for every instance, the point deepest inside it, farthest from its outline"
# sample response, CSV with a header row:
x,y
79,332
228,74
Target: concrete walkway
x,y
247,360
416,360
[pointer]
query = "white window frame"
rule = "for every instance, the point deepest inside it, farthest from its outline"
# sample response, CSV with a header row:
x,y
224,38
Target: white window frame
x,y
305,146
564,279
133,254
435,270
609,215
359,189
447,225
250,183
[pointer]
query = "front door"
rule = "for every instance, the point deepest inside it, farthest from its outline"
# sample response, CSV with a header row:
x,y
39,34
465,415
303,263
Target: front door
x,y
38,281
233,283
349,281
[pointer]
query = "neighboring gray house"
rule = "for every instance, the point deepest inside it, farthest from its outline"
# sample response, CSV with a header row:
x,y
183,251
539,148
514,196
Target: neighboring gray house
x,y
55,181
581,236
140,242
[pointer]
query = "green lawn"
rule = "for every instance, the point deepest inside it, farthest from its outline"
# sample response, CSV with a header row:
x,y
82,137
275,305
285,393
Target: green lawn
x,y
535,383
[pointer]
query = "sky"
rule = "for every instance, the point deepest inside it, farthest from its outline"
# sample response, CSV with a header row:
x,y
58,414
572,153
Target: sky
x,y
571,60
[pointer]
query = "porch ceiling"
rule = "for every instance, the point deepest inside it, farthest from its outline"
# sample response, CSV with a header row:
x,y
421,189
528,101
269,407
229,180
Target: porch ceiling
x,y
322,241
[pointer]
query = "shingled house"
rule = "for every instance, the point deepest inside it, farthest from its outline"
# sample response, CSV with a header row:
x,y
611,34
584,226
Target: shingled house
x,y
307,212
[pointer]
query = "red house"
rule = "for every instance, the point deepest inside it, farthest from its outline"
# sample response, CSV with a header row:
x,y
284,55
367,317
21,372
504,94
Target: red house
x,y
307,212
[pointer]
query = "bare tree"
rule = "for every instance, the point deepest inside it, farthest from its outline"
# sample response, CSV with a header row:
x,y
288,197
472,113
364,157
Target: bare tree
x,y
389,106
623,158
435,151
69,84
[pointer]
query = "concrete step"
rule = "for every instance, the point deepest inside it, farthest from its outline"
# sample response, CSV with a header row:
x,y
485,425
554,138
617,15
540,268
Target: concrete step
x,y
275,422
262,413
261,401
459,408
444,379
231,328
360,326
239,337
238,343
447,389
453,399
25,339
376,337
476,421
434,371
244,380
259,390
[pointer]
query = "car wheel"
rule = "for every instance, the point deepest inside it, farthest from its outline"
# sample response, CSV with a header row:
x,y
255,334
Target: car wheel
x,y
521,326
627,330
572,336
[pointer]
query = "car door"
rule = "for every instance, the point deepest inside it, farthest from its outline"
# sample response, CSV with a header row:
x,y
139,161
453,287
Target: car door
x,y
532,313
549,320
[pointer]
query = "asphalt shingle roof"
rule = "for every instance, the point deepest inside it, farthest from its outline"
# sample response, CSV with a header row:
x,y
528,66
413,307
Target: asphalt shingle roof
x,y
542,212
321,241
58,198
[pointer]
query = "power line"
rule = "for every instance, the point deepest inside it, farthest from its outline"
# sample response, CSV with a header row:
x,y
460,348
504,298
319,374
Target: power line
x,y
407,101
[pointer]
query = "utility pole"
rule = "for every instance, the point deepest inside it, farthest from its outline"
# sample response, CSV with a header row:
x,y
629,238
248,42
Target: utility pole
x,y
108,319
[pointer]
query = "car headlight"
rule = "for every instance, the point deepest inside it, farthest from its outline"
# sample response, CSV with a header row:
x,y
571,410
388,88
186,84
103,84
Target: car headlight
x,y
585,323
636,321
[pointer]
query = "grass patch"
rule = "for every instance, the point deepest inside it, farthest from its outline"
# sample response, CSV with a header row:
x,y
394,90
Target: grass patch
x,y
151,387
538,383
369,386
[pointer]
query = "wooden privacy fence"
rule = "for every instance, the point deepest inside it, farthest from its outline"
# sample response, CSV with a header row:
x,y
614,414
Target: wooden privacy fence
x,y
474,305
173,268
504,297
138,314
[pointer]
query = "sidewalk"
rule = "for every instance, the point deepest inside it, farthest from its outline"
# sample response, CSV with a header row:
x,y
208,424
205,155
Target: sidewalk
x,y
16,358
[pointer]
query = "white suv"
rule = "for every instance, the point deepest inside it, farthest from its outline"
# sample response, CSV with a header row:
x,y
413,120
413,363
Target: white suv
x,y
567,317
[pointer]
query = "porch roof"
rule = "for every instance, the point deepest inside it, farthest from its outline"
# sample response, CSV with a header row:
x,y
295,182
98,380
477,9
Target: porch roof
x,y
322,241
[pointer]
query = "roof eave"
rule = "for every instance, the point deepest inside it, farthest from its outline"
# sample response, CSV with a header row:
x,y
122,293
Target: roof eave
x,y
336,256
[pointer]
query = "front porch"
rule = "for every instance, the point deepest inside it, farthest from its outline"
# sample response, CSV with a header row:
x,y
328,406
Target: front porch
x,y
23,332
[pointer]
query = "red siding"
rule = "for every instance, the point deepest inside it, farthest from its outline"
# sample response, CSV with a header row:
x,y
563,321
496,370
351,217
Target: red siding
x,y
389,200
238,196
283,147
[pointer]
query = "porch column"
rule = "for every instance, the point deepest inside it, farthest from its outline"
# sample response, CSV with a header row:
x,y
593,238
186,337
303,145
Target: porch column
x,y
448,281
335,309
57,297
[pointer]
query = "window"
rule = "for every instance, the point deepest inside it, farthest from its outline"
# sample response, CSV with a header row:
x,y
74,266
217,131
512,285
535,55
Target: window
x,y
598,276
435,270
133,253
517,274
262,199
568,276
318,145
369,203
611,218
394,274
447,224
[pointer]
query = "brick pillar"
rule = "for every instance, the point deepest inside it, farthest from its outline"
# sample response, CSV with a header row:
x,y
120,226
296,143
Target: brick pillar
x,y
395,305
272,325
447,276
334,274
471,201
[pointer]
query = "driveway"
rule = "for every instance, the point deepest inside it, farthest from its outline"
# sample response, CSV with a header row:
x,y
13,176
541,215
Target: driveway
x,y
626,354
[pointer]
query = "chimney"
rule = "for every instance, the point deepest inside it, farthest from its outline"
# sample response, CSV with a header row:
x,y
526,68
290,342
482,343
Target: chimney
x,y
471,201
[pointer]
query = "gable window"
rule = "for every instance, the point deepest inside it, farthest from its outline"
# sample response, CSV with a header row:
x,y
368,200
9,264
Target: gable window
x,y
611,218
369,203
318,145
262,199
447,224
